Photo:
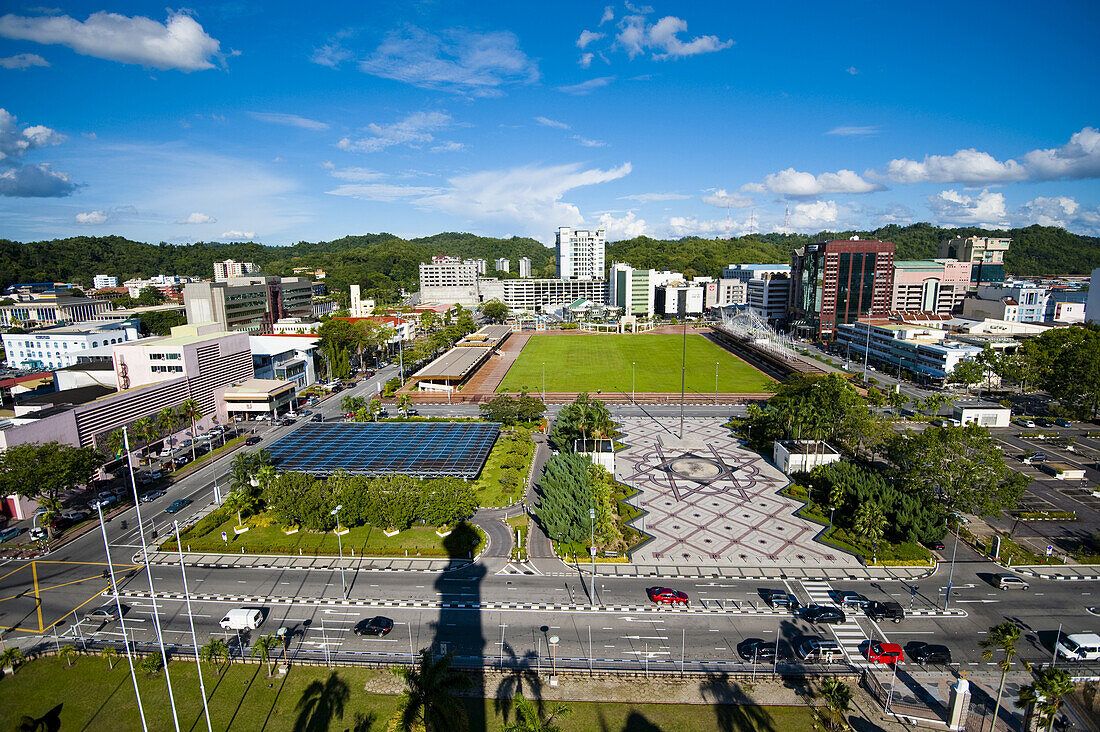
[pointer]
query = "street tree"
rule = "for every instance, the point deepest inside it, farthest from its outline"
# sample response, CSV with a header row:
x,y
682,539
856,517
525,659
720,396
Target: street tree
x,y
191,411
495,311
967,373
1001,638
263,650
838,700
216,652
168,421
67,654
530,718
1047,693
43,471
145,429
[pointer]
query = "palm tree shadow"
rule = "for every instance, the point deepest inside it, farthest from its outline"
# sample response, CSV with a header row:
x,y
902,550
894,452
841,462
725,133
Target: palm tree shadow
x,y
733,709
48,722
320,703
523,680
637,722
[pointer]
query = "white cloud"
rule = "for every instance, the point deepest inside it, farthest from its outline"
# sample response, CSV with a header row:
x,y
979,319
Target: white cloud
x,y
547,122
1063,211
587,37
636,36
457,61
91,218
23,61
450,146
852,70
291,120
414,131
586,142
383,191
587,87
852,130
721,198
1078,158
35,181
627,226
586,60
234,235
608,15
179,43
331,54
692,226
970,167
791,182
653,197
15,142
814,215
198,218
359,175
986,209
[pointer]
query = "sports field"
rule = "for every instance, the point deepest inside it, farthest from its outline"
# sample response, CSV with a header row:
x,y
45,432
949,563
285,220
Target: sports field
x,y
591,362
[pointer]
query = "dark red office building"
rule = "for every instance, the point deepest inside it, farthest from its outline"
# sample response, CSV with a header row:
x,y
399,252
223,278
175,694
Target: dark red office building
x,y
837,282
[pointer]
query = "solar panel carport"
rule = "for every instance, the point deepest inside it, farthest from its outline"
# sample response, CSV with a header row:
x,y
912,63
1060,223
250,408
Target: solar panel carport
x,y
419,449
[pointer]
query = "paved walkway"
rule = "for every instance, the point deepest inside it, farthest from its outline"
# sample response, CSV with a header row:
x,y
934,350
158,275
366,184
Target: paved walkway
x,y
1070,572
275,561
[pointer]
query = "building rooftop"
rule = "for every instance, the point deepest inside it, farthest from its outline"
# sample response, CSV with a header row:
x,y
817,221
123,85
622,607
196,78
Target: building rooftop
x,y
269,345
455,365
79,395
259,386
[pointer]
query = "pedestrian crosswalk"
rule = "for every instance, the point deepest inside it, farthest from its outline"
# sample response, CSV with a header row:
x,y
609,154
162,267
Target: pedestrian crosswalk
x,y
850,633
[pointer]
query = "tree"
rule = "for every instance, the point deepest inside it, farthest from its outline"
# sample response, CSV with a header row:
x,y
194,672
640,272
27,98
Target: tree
x,y
11,657
897,399
215,651
43,471
150,295
838,699
262,650
565,492
870,523
585,417
145,429
962,466
429,696
352,404
111,654
168,421
1002,638
192,412
374,406
404,402
967,372
875,397
529,719
495,311
67,654
151,664
1047,692
824,407
336,338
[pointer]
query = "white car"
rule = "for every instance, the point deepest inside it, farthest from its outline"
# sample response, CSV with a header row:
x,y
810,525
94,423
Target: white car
x,y
166,451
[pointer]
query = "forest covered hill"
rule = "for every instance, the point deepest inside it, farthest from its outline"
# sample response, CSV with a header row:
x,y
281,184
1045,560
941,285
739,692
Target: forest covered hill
x,y
382,263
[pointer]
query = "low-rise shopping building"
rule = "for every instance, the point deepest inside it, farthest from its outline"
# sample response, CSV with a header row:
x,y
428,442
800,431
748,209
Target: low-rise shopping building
x,y
66,345
802,456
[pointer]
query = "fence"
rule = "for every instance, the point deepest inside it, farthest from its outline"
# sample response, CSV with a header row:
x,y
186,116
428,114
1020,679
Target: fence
x,y
903,706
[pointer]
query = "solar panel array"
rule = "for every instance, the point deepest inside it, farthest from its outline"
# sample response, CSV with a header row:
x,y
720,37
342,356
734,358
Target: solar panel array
x,y
421,449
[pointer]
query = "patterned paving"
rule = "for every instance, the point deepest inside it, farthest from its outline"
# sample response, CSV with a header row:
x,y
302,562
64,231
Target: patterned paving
x,y
708,500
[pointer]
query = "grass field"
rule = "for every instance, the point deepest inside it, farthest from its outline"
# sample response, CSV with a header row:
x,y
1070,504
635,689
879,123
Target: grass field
x,y
89,696
576,363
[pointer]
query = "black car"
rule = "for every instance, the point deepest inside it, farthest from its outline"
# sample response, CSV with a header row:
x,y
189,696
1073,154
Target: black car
x,y
180,461
178,505
935,544
317,418
926,653
255,439
411,413
885,611
1044,422
378,626
756,650
822,614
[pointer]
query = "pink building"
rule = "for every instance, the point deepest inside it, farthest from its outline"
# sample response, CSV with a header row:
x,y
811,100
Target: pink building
x,y
930,285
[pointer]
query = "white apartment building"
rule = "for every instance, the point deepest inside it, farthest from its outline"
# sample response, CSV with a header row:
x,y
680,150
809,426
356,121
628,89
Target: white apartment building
x,y
767,296
679,299
580,254
449,280
503,264
66,345
100,281
482,266
525,267
229,268
541,295
284,357
634,290
722,292
1016,302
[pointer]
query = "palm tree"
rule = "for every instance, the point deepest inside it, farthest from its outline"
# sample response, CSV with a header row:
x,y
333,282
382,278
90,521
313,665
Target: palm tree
x,y
67,654
216,651
146,431
1001,637
528,718
168,421
192,412
11,657
870,523
240,470
115,443
1050,687
263,648
838,698
403,402
429,696
111,654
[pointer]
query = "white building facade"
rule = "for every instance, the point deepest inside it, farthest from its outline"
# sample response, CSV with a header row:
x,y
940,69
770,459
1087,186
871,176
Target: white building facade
x,y
67,345
913,348
230,268
767,296
580,253
104,281
525,267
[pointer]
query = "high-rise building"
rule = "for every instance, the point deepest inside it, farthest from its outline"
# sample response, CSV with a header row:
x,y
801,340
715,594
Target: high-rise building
x,y
524,267
580,254
986,253
249,304
503,264
930,285
229,268
634,290
768,295
100,281
449,280
839,281
1092,305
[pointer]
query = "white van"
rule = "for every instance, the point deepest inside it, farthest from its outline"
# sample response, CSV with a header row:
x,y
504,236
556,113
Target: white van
x,y
1079,647
242,618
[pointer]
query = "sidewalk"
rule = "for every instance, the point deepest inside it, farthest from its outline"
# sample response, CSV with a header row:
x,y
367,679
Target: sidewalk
x,y
700,571
276,561
1065,572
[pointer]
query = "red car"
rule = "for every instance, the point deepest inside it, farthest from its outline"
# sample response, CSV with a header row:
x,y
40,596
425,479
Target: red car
x,y
667,596
887,653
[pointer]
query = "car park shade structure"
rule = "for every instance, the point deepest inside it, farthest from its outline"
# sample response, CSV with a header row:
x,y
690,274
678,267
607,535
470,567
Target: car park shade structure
x,y
420,449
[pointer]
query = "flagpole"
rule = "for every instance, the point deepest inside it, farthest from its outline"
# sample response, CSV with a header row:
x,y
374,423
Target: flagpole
x,y
191,620
149,573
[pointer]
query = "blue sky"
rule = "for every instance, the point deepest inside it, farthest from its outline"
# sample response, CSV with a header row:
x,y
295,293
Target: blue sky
x,y
280,122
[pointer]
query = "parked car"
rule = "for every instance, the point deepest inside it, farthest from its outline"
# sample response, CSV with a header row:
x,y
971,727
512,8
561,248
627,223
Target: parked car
x,y
152,495
667,596
887,653
178,505
780,598
1025,422
822,614
255,439
185,443
74,514
935,544
1010,582
180,460
851,599
378,626
317,418
165,451
756,650
104,500
926,653
815,649
37,533
383,412
286,422
10,533
1042,422
885,611
1063,423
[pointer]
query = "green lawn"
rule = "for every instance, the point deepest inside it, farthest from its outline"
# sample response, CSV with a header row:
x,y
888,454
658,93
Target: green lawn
x,y
360,541
575,363
89,696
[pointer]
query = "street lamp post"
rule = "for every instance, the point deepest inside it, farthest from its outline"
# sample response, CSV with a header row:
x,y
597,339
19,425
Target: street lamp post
x,y
340,544
592,551
716,383
870,312
633,382
554,640
544,382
